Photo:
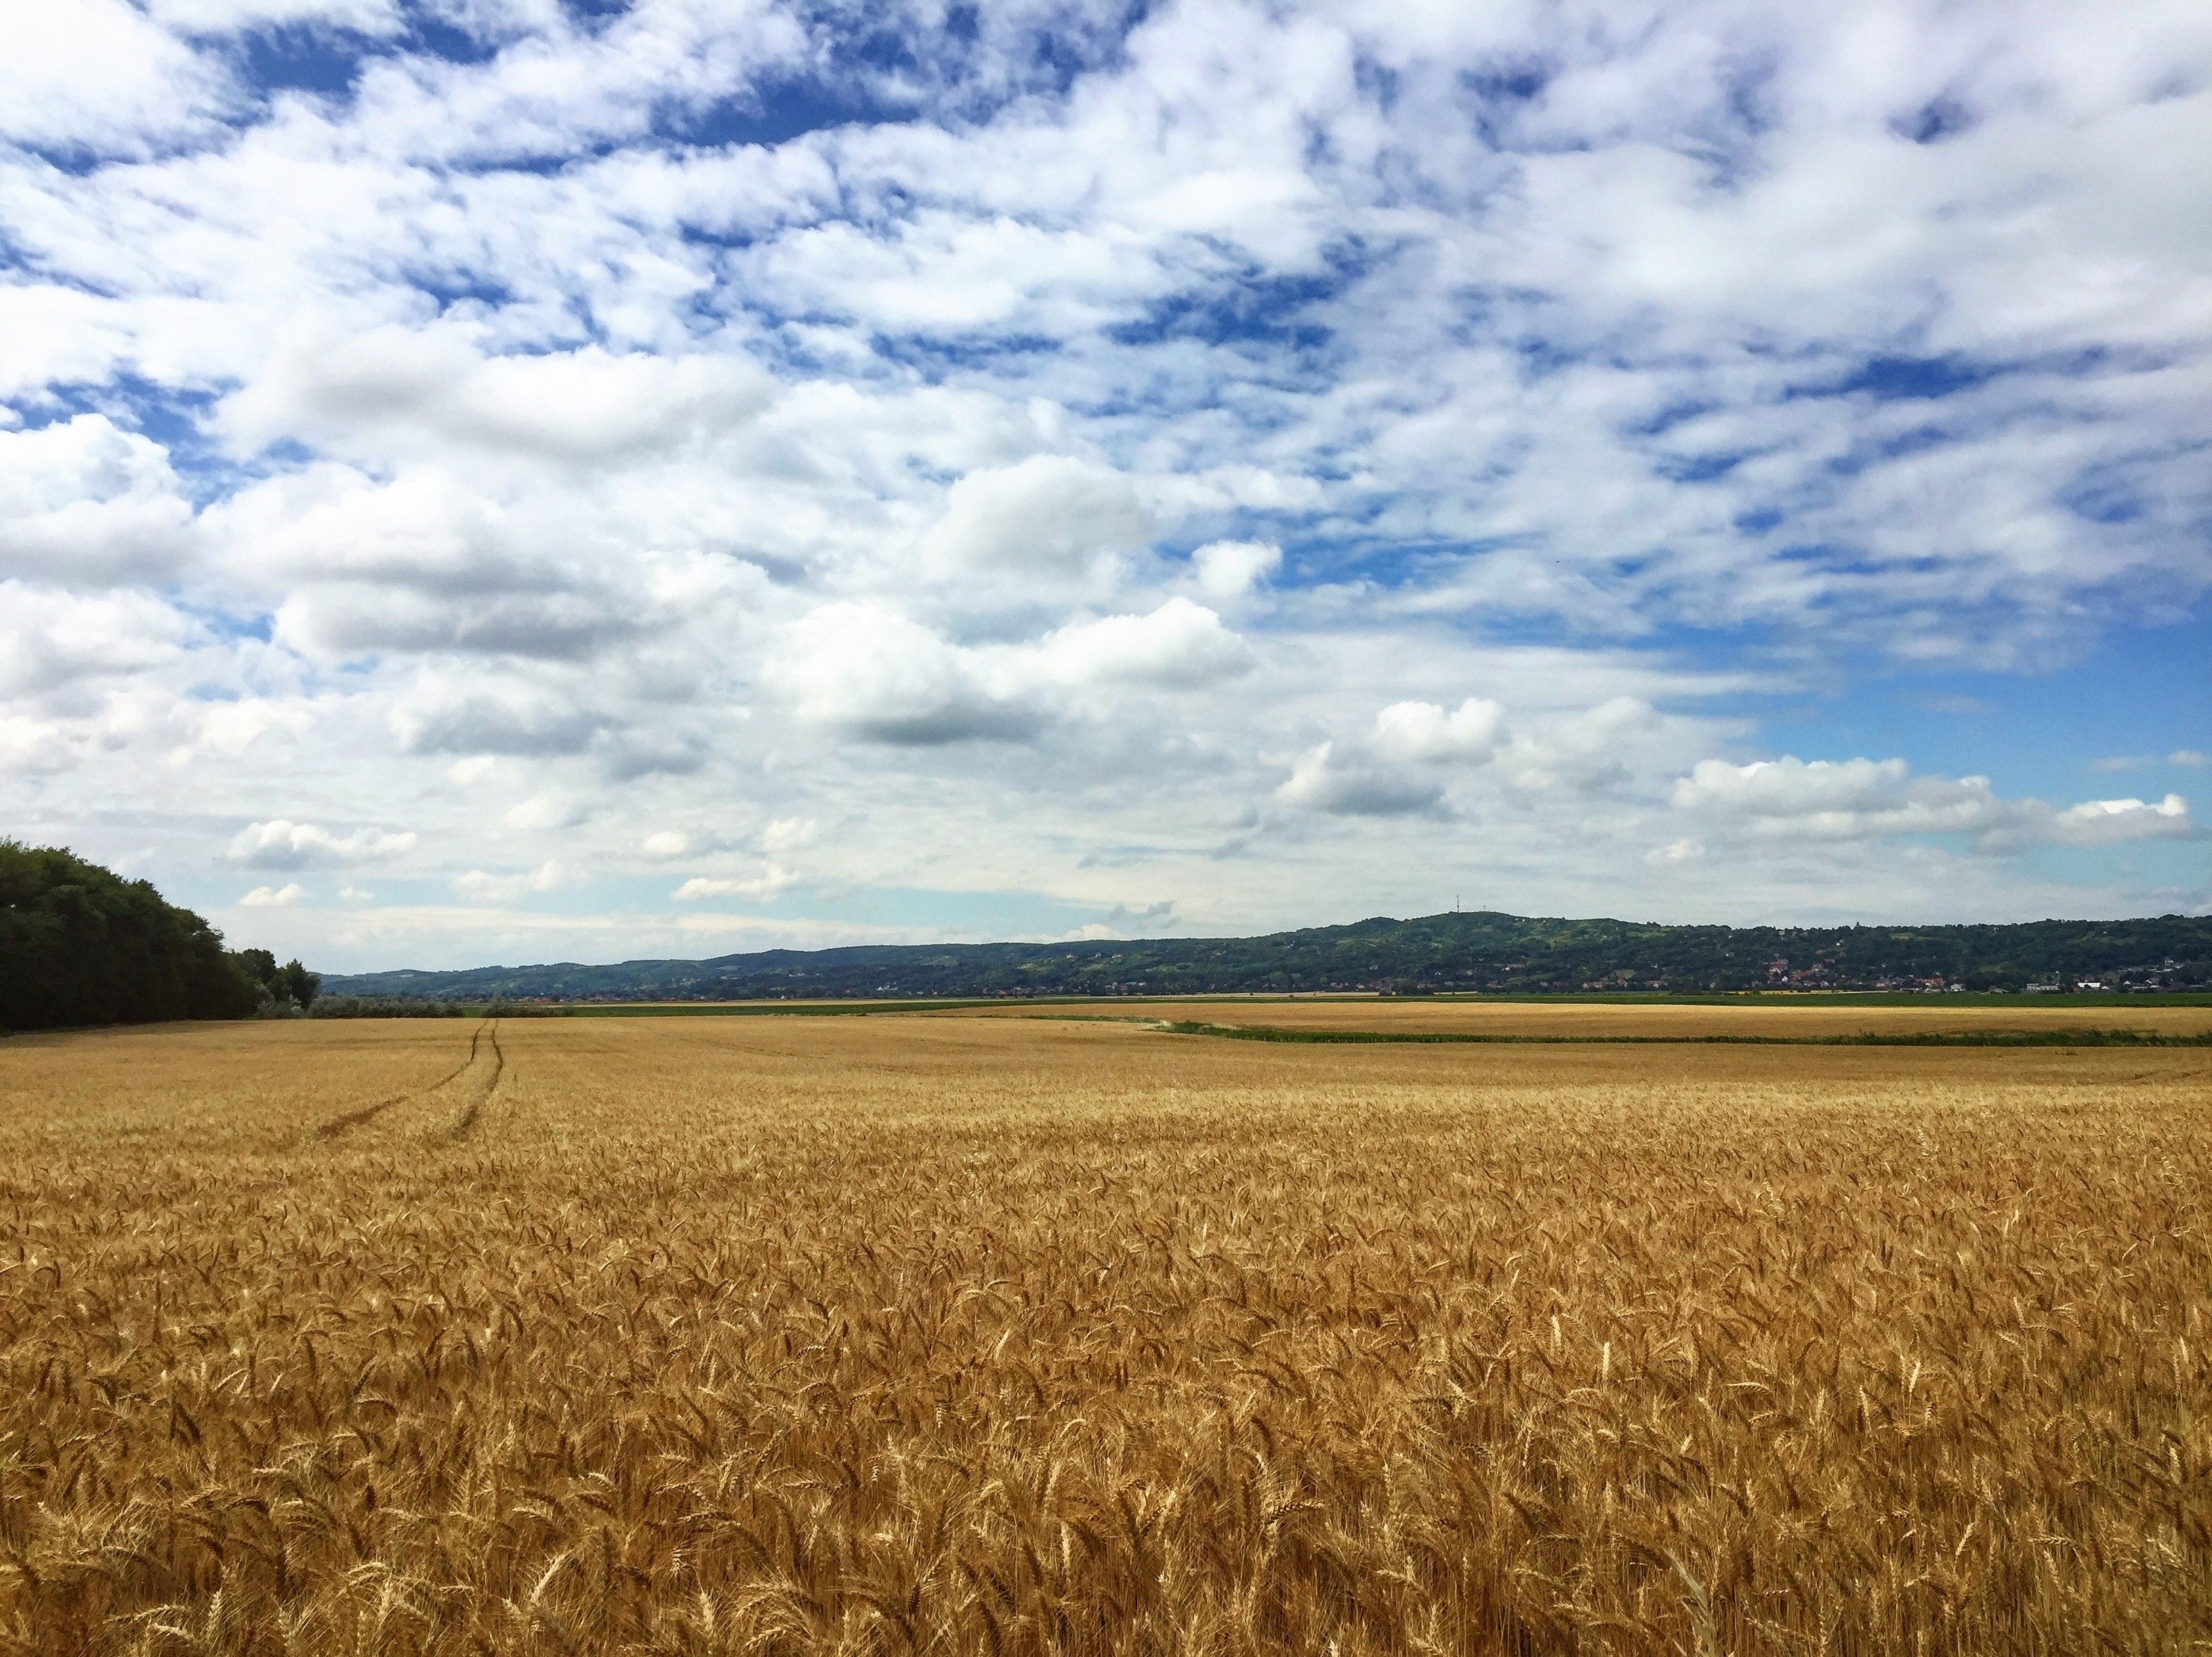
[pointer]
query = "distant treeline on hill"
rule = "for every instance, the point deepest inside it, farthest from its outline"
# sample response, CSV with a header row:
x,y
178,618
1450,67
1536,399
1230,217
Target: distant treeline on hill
x,y
1481,952
79,944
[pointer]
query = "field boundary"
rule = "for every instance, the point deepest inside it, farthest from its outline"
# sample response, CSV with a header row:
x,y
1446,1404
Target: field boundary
x,y
913,1004
2038,1038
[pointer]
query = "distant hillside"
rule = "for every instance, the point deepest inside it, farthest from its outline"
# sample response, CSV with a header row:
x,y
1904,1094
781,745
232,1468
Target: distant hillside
x,y
1475,951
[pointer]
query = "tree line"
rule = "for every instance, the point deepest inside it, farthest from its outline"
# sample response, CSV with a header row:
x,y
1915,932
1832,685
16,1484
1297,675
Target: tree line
x,y
79,944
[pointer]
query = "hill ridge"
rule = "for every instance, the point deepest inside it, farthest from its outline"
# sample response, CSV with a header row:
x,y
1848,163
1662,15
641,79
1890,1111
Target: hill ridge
x,y
1464,950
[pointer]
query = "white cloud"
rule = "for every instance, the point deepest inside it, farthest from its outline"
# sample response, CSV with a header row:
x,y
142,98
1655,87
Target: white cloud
x,y
1047,515
1391,770
231,728
32,747
478,887
1592,750
54,641
97,73
1864,799
283,844
1180,645
442,715
1839,799
543,811
400,393
1422,731
1227,570
789,834
770,883
1321,781
2094,823
2189,756
362,452
274,897
881,678
370,17
82,503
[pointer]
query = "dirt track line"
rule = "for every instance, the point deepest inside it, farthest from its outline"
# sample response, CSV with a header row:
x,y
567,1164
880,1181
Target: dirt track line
x,y
467,1123
350,1119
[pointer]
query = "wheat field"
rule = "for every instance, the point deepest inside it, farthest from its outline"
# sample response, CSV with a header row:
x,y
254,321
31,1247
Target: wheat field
x,y
982,1334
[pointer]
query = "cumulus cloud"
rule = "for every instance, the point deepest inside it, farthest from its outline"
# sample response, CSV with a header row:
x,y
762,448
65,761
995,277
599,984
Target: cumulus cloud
x,y
421,563
32,747
230,728
1321,781
543,811
1392,769
1180,645
371,17
400,393
98,75
477,886
82,503
1423,730
882,677
2096,823
1049,515
275,897
1065,469
1227,570
1867,799
51,640
769,882
283,844
1592,750
789,834
446,717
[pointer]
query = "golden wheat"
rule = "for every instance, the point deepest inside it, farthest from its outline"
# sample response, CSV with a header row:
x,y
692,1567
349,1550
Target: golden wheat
x,y
960,1335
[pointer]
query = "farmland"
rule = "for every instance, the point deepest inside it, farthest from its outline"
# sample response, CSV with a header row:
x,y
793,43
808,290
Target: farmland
x,y
989,1331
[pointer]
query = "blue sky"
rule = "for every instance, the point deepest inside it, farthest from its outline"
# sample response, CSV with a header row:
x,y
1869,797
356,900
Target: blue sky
x,y
509,480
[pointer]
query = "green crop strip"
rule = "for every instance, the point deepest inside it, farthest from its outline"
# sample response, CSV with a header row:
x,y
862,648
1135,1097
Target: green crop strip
x,y
2054,1038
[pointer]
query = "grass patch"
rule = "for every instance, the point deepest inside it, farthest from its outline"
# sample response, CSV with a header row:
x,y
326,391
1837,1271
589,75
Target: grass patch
x,y
2048,1038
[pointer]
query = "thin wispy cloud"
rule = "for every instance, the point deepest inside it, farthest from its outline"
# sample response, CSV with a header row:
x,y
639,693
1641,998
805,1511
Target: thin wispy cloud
x,y
1279,463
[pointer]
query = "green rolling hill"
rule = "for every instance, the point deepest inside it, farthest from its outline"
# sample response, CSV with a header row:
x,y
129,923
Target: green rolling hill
x,y
1470,952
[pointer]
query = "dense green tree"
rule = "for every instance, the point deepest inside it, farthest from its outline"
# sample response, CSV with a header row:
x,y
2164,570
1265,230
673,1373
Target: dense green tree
x,y
81,946
299,983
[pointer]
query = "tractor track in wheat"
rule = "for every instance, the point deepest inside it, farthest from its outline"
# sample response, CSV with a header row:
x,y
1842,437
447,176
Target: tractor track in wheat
x,y
472,1113
339,1126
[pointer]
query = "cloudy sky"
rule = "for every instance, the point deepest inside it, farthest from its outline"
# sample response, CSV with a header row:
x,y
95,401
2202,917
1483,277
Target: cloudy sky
x,y
537,479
